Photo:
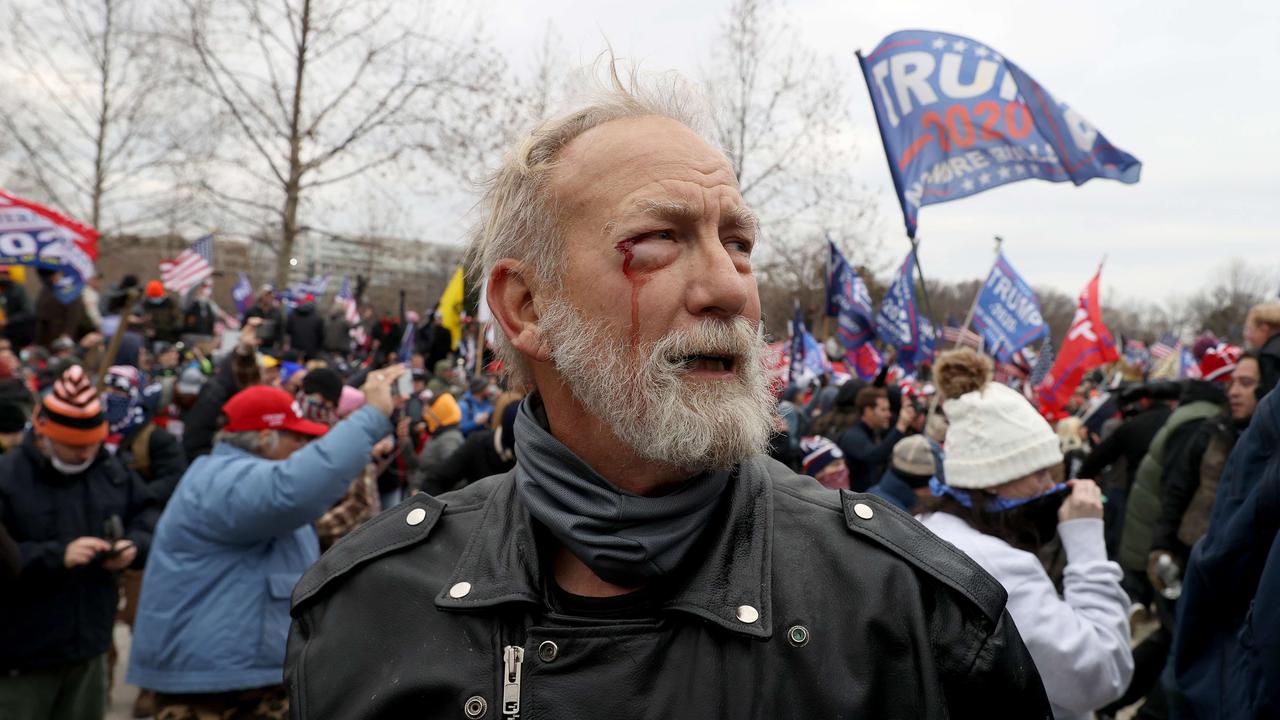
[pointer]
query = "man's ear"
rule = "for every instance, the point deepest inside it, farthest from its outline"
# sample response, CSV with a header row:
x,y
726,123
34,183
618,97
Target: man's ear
x,y
511,299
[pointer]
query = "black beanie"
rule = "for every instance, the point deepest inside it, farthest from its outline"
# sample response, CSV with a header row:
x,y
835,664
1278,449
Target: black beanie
x,y
325,382
12,417
847,396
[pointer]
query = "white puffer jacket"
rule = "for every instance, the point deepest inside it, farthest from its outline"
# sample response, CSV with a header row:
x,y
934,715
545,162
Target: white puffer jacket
x,y
1079,640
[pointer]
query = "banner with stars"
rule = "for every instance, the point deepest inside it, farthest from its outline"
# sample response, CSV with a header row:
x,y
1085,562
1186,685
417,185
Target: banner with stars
x,y
957,118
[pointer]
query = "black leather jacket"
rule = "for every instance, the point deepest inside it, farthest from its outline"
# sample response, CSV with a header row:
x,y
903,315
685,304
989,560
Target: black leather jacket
x,y
799,602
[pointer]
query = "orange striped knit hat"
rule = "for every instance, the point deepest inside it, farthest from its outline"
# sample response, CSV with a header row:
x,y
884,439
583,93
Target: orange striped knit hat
x,y
72,414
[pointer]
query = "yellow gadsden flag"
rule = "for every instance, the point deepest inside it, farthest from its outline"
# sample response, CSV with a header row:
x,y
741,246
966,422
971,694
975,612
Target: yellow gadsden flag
x,y
451,307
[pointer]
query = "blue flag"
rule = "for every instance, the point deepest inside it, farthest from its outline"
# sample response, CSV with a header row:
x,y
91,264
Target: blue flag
x,y
898,323
1007,314
242,294
849,301
407,343
796,351
928,345
957,118
1187,365
316,285
808,359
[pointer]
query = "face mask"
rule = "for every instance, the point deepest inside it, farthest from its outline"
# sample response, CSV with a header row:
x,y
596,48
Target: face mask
x,y
1001,504
996,503
64,467
117,409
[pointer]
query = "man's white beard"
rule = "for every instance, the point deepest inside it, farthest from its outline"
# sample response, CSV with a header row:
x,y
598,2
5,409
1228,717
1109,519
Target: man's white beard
x,y
642,395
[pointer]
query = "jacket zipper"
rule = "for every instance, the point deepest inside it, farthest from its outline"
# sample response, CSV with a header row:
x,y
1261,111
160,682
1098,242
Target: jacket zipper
x,y
512,660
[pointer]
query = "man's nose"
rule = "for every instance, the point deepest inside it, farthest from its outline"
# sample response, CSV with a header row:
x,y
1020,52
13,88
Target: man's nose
x,y
717,287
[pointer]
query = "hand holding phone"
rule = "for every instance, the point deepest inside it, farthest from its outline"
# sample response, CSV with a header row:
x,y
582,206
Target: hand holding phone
x,y
403,387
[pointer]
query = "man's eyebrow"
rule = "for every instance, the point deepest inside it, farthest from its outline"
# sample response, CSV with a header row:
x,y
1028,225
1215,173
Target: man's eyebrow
x,y
678,211
742,217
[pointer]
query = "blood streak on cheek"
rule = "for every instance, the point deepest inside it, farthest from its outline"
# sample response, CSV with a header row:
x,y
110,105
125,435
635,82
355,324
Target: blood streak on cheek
x,y
637,279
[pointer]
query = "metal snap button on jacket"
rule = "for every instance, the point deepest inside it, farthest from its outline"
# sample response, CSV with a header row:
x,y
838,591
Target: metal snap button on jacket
x,y
863,511
798,635
416,516
460,590
548,651
475,707
747,614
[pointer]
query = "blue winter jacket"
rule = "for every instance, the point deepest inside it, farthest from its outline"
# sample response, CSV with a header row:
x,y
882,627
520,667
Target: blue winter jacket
x,y
1225,661
471,406
232,542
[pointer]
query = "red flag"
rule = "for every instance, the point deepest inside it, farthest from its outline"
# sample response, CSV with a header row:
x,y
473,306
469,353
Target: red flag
x,y
1088,344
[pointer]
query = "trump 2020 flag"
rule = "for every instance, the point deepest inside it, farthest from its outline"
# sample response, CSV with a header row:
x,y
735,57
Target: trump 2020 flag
x,y
1007,314
898,323
957,118
849,301
242,294
38,237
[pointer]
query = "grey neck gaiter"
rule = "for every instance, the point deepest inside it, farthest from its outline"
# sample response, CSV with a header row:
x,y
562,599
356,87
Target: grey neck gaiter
x,y
625,539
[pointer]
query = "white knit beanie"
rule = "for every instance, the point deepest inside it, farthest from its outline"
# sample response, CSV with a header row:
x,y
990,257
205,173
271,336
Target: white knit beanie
x,y
995,435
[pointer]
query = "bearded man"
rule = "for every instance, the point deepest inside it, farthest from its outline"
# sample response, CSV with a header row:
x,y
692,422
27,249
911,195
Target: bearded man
x,y
645,558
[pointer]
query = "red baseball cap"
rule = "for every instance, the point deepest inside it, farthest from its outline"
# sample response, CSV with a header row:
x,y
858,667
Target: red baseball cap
x,y
261,407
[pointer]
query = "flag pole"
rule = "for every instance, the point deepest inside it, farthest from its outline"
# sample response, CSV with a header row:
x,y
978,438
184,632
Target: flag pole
x,y
973,308
795,332
826,310
924,289
113,347
483,328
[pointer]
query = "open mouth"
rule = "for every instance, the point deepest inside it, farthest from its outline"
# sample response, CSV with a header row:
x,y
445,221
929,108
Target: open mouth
x,y
710,363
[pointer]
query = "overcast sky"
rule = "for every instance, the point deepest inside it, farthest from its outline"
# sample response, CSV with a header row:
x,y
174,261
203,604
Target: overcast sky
x,y
1186,87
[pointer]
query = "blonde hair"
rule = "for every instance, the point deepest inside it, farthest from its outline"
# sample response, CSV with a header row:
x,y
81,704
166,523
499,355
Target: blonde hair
x,y
1267,313
1069,434
519,213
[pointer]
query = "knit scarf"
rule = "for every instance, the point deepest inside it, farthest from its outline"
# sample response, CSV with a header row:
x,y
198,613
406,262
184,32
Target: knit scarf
x,y
625,539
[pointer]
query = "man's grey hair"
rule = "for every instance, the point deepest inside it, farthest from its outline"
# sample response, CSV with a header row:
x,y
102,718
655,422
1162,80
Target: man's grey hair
x,y
519,215
249,441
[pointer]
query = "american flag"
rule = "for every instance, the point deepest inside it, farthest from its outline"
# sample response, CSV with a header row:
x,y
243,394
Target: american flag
x,y
1164,347
1044,362
317,285
964,337
192,267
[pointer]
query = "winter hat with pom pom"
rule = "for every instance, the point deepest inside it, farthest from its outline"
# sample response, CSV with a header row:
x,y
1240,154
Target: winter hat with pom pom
x,y
995,435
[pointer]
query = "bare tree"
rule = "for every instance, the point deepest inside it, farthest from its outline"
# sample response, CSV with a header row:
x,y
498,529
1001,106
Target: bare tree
x,y
319,93
91,118
782,115
1222,304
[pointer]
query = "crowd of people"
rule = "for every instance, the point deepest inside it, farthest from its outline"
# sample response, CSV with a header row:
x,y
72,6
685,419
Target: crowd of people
x,y
94,452
617,516
1079,572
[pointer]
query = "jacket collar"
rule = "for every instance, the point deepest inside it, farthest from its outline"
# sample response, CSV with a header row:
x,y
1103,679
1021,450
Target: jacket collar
x,y
730,578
